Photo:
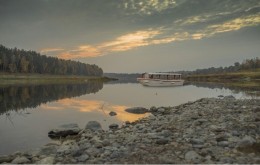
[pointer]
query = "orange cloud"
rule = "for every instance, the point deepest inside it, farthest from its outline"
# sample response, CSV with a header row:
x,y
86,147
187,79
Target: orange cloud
x,y
46,50
157,36
122,43
81,52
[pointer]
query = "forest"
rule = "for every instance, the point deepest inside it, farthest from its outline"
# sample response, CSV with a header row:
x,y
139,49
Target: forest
x,y
13,60
248,64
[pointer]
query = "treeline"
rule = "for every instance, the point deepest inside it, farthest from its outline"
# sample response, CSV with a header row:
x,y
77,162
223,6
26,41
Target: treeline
x,y
123,77
22,61
249,64
30,96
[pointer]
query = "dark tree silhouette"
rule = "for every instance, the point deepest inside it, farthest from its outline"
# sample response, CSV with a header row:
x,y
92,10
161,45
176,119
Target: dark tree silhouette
x,y
21,61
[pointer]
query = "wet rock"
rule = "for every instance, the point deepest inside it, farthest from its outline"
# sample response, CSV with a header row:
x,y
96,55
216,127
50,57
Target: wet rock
x,y
20,160
112,113
64,130
136,110
113,126
230,97
93,126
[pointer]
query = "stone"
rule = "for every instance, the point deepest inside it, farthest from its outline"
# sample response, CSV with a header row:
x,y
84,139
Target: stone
x,y
82,158
220,138
93,126
257,116
153,109
197,141
192,156
246,141
113,126
165,133
47,160
162,141
64,130
68,147
112,113
223,143
20,160
230,97
6,158
161,110
136,110
47,150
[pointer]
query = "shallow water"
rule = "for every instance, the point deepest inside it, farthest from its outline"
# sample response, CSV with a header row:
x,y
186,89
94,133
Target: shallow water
x,y
28,112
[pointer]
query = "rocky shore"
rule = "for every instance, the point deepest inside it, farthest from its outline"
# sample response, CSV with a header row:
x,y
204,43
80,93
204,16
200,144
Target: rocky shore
x,y
209,130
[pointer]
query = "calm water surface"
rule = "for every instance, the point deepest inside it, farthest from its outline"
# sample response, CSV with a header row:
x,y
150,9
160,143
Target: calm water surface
x,y
28,112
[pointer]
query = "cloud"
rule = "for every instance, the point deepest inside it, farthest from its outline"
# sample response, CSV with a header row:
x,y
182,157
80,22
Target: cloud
x,y
47,50
160,35
147,7
234,24
123,43
82,51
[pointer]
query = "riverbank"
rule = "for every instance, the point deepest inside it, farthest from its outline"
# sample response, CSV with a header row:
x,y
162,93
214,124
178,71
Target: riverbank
x,y
11,79
209,130
243,79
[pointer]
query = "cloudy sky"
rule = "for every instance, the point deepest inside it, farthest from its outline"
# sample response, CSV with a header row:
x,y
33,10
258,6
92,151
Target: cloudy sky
x,y
135,35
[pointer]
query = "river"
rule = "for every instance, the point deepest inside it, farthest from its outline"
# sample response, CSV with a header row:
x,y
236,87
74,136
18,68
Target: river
x,y
28,112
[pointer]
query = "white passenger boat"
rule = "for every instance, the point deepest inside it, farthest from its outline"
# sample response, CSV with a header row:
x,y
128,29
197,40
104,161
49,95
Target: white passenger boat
x,y
160,79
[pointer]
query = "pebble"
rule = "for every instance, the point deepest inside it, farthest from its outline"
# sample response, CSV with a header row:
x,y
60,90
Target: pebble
x,y
209,130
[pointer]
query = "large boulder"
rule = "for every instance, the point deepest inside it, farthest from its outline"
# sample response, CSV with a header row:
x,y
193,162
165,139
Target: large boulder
x,y
136,110
64,130
20,160
93,126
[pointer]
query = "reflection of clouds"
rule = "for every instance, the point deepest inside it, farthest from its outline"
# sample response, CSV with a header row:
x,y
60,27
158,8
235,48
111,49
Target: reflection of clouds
x,y
94,106
51,107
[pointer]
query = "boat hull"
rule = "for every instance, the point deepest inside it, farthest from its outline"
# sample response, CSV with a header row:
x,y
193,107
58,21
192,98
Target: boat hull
x,y
159,82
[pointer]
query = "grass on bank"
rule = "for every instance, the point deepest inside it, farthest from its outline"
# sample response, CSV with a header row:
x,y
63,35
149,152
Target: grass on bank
x,y
229,76
18,78
242,79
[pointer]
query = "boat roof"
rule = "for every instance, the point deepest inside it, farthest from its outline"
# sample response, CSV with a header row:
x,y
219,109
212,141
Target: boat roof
x,y
163,73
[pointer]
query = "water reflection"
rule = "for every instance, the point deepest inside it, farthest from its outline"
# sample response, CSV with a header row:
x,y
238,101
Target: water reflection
x,y
31,96
246,91
83,105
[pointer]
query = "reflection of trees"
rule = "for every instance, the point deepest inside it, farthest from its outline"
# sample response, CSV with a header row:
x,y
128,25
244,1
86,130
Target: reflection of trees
x,y
253,92
31,96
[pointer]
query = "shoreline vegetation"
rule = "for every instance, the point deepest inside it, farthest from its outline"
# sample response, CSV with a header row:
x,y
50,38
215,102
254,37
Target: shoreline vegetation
x,y
209,130
20,78
249,79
